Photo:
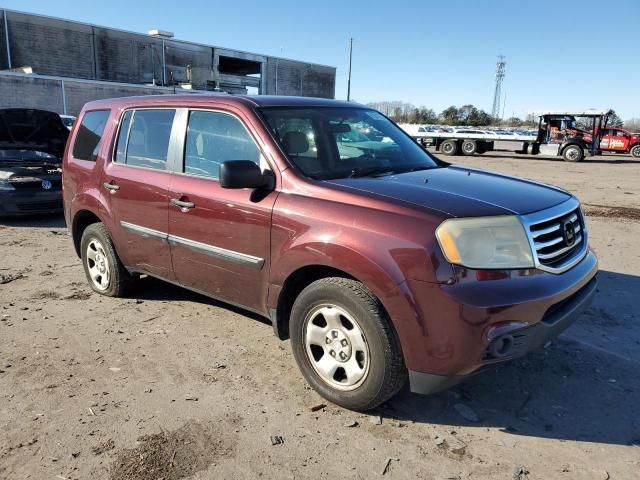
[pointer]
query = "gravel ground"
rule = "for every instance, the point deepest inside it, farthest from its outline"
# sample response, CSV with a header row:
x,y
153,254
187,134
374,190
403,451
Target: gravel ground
x,y
169,384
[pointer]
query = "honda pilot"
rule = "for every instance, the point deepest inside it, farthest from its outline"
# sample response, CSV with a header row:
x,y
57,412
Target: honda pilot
x,y
381,263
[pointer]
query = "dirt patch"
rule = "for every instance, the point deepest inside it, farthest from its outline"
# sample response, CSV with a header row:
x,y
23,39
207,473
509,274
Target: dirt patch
x,y
78,296
624,213
45,295
10,277
171,455
103,447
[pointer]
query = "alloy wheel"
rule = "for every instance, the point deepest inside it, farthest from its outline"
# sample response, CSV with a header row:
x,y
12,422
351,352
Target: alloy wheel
x,y
336,347
98,264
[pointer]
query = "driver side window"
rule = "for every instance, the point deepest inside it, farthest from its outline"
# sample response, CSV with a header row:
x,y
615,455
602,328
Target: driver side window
x,y
213,138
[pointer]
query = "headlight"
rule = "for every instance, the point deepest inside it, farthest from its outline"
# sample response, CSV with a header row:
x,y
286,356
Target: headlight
x,y
5,186
485,242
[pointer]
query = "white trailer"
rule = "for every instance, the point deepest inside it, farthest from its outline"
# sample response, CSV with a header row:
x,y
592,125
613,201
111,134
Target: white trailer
x,y
468,141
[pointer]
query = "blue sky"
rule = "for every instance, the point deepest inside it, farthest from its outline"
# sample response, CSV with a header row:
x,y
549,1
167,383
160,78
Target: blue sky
x,y
566,54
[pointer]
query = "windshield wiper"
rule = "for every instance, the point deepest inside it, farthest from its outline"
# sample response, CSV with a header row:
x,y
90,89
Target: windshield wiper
x,y
369,171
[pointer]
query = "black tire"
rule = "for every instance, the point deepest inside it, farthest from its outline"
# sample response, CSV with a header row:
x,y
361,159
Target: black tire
x,y
386,372
635,151
573,153
118,280
449,147
469,147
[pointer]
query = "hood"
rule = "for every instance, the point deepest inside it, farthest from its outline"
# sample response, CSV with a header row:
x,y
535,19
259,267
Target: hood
x,y
29,129
461,192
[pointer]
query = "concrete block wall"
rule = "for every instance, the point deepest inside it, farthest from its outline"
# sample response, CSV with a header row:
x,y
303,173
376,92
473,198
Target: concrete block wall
x,y
21,92
296,78
50,47
62,48
29,91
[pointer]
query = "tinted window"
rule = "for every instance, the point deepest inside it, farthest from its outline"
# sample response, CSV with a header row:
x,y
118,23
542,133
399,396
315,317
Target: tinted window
x,y
213,138
144,136
89,134
327,142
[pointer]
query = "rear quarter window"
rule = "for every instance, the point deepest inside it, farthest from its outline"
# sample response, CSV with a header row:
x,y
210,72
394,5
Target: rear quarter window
x,y
89,135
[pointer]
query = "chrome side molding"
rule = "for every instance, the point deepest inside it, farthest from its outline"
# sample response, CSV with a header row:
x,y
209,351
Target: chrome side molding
x,y
199,247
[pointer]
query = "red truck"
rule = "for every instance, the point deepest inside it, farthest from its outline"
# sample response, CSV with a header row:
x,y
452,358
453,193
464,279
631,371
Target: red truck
x,y
620,140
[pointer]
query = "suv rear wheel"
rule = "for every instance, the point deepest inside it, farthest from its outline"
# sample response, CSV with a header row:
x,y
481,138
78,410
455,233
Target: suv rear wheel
x,y
345,345
635,151
104,270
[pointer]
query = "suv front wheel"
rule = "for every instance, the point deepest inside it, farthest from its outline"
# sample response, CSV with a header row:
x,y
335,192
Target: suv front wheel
x,y
345,345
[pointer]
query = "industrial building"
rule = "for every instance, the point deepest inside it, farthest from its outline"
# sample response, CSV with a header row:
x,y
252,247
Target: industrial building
x,y
59,65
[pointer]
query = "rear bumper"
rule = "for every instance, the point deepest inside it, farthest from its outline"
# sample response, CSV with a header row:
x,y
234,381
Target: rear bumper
x,y
17,203
520,340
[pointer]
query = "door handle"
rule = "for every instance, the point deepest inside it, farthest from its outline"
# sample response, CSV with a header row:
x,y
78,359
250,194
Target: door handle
x,y
111,186
182,204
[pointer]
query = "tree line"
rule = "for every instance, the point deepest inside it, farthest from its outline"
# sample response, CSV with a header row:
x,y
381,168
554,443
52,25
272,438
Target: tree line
x,y
403,112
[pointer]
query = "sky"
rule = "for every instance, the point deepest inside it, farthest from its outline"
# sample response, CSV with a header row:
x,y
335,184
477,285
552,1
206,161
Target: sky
x,y
560,54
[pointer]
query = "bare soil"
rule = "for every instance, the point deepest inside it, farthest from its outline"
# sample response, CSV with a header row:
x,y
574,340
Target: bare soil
x,y
169,384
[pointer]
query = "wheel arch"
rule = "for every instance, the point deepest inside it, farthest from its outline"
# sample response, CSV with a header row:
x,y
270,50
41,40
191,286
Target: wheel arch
x,y
293,285
81,220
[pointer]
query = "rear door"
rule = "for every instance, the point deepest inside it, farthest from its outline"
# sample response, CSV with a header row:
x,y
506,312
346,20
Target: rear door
x,y
137,180
220,238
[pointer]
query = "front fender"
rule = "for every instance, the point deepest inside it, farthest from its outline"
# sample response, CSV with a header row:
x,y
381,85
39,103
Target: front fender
x,y
384,279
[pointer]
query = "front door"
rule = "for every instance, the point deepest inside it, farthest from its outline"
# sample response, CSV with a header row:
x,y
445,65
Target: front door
x,y
137,181
615,139
220,238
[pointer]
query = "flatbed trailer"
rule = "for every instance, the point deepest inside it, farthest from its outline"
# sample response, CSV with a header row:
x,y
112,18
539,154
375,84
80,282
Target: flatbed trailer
x,y
452,143
558,136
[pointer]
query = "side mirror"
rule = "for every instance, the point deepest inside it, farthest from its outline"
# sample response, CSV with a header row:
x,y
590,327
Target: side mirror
x,y
244,174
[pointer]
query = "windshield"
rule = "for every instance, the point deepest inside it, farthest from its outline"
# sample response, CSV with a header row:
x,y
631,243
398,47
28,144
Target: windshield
x,y
328,143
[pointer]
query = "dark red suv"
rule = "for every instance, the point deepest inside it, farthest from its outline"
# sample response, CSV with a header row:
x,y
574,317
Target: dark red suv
x,y
378,261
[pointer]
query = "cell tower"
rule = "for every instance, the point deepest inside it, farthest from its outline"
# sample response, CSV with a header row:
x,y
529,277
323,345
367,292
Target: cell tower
x,y
500,64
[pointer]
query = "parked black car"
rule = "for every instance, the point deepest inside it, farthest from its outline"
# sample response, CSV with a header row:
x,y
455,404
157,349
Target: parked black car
x,y
32,143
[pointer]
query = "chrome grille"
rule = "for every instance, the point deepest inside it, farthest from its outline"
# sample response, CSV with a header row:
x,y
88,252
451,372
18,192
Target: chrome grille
x,y
558,236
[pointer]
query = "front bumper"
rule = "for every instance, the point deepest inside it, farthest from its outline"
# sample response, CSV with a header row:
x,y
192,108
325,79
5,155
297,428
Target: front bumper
x,y
523,339
487,317
18,203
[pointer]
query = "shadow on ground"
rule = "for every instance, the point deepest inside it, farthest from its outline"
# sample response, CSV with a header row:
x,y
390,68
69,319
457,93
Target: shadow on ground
x,y
567,391
584,387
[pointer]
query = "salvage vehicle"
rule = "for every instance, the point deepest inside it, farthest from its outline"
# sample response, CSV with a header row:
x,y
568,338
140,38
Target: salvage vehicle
x,y
379,264
31,146
619,140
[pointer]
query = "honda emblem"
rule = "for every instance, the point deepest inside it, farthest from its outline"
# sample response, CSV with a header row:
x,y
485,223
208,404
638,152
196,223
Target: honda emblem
x,y
569,233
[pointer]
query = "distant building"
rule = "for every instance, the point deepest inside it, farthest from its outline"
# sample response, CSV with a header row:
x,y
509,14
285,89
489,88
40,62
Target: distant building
x,y
59,65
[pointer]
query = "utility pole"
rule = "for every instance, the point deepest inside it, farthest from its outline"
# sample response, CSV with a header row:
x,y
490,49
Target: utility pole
x,y
497,95
349,80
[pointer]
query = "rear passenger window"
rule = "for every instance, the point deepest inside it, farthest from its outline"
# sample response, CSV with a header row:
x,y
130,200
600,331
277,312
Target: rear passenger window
x,y
213,138
87,143
144,136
